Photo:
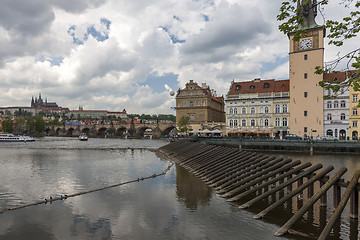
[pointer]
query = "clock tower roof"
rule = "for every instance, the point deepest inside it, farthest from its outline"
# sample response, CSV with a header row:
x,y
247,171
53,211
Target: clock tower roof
x,y
307,10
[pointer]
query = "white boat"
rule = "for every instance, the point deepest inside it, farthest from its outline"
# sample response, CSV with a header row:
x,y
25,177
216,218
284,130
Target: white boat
x,y
83,137
13,138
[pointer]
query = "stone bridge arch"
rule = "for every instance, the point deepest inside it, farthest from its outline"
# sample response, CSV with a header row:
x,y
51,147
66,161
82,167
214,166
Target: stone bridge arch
x,y
121,132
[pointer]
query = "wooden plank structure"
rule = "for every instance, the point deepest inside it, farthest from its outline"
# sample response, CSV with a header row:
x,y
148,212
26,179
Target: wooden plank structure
x,y
236,174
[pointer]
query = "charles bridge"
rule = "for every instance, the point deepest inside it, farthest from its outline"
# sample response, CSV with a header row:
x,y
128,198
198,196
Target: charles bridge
x,y
112,130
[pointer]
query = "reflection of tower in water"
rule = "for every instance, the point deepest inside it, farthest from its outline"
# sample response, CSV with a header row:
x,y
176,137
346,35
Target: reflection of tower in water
x,y
190,189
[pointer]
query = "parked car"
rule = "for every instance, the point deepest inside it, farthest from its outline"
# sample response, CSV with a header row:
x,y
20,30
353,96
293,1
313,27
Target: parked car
x,y
292,137
327,138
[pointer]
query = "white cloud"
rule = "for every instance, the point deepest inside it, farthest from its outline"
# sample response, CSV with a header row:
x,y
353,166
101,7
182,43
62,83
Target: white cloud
x,y
207,41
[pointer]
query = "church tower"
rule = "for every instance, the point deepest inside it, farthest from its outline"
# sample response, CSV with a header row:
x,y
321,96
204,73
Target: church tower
x,y
306,96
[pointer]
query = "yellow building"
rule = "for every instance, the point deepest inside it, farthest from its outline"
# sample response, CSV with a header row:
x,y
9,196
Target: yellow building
x,y
201,105
354,114
306,101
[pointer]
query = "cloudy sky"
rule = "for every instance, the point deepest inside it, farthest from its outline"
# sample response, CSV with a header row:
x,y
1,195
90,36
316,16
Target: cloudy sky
x,y
116,54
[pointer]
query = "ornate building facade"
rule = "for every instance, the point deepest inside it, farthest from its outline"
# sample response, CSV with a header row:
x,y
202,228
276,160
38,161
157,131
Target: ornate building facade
x,y
258,105
201,105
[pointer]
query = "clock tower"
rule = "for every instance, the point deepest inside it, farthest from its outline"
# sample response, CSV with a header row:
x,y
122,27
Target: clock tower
x,y
306,96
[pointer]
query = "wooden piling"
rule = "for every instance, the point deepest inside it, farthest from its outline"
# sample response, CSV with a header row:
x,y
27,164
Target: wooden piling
x,y
334,217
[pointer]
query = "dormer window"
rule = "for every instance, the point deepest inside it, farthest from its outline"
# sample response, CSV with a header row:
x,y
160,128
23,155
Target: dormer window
x,y
252,87
266,85
283,86
237,87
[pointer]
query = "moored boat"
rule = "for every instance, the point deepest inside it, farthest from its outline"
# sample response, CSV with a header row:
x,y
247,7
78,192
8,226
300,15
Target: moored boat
x,y
14,138
83,137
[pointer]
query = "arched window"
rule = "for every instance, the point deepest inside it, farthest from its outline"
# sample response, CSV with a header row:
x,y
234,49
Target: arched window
x,y
277,108
243,110
355,111
284,108
261,110
231,123
252,123
342,104
235,110
336,104
266,122
261,122
277,122
329,104
342,116
243,123
329,132
252,110
231,111
235,122
328,117
284,122
266,109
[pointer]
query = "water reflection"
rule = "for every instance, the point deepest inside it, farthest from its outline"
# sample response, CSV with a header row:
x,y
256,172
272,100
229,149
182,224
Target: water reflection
x,y
191,190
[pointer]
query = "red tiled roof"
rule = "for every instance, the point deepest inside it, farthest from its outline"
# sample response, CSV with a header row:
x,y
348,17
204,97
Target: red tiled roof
x,y
257,86
339,75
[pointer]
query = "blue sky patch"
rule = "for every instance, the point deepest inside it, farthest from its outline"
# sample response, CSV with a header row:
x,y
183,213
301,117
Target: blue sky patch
x,y
99,34
54,61
174,39
157,82
269,66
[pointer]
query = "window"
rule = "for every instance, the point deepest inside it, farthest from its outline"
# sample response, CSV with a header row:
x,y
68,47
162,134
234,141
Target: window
x,y
277,108
342,104
277,122
192,118
266,122
231,123
235,110
231,111
266,109
305,94
305,57
235,123
355,111
355,97
328,104
252,123
261,122
354,124
305,129
243,110
284,108
266,85
237,87
305,113
243,123
284,122
342,116
252,87
252,110
305,75
261,110
328,117
336,104
184,103
191,104
198,102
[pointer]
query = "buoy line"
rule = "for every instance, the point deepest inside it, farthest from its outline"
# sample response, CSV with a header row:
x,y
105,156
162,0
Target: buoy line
x,y
62,197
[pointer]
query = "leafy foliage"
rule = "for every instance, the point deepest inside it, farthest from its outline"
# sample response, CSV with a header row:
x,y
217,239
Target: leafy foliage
x,y
183,124
7,125
337,32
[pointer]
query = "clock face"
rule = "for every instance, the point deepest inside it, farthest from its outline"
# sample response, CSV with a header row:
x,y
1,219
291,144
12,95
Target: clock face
x,y
305,44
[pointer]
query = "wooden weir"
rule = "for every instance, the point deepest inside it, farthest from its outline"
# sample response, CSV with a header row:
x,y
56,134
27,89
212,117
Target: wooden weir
x,y
236,174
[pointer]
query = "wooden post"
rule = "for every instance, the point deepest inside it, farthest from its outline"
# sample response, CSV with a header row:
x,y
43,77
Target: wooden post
x,y
323,199
336,195
310,190
354,204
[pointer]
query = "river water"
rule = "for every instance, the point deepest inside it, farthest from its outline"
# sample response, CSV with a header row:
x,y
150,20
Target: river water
x,y
172,206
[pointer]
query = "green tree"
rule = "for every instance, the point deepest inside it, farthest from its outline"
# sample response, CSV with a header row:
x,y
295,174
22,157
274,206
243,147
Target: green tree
x,y
294,15
30,124
7,125
20,125
39,124
184,125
